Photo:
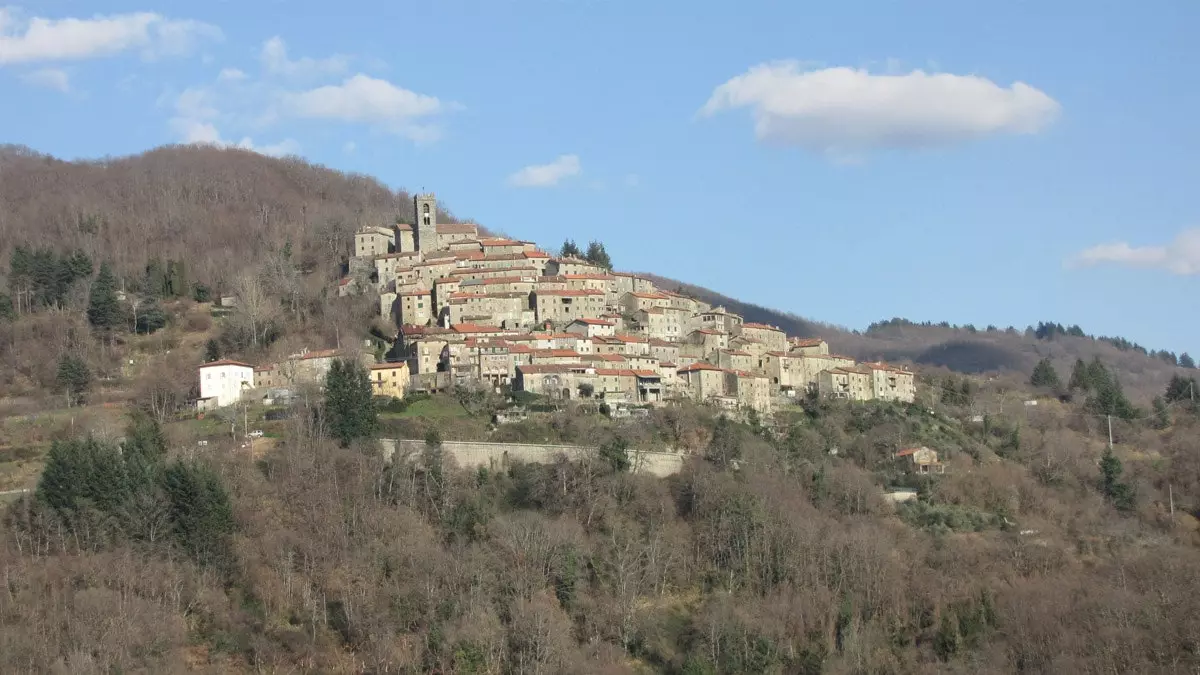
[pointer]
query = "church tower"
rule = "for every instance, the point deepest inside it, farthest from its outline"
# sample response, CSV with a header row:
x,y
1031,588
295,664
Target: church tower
x,y
425,233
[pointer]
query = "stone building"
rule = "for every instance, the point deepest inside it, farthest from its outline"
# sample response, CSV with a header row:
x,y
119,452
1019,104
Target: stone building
x,y
371,241
416,307
772,337
848,382
563,307
591,327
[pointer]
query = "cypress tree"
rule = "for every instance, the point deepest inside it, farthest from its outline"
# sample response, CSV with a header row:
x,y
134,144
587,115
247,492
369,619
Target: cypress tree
x,y
570,250
104,310
349,412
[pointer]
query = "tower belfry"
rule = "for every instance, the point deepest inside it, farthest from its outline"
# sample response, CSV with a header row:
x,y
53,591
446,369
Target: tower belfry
x,y
425,206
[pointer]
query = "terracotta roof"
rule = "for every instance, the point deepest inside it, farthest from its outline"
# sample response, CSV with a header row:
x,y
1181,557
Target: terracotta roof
x,y
597,277
345,281
805,342
404,227
700,366
908,451
622,337
520,349
649,296
418,293
593,322
761,326
666,364
225,362
543,368
475,328
610,358
570,293
497,241
457,228
625,372
389,366
735,352
491,281
558,353
535,254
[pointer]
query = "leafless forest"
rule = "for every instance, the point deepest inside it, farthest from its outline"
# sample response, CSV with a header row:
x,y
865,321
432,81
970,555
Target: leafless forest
x,y
773,551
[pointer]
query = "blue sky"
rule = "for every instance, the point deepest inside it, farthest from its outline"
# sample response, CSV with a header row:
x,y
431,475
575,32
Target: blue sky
x,y
846,161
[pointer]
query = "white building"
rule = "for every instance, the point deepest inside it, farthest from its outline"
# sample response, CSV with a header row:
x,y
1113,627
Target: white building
x,y
222,382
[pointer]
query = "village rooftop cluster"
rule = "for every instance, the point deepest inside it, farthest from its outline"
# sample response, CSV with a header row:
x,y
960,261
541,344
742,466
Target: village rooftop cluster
x,y
472,309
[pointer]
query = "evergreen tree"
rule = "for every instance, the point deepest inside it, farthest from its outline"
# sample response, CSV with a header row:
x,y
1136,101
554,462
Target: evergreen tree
x,y
6,308
1181,389
155,282
201,293
73,378
349,413
104,310
1162,416
597,255
1186,361
1080,376
200,511
726,444
177,285
1107,397
615,453
212,350
570,249
83,472
150,318
1044,375
78,266
1120,494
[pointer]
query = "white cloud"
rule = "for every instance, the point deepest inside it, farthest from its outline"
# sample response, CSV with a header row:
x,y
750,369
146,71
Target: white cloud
x,y
275,61
287,146
367,100
1180,256
547,175
49,78
847,111
195,121
42,39
231,75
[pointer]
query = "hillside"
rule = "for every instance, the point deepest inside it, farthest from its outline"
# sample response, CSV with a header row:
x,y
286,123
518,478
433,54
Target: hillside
x,y
224,209
985,526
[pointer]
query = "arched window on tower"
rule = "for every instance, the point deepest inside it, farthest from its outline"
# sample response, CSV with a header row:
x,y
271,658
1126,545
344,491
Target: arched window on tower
x,y
425,213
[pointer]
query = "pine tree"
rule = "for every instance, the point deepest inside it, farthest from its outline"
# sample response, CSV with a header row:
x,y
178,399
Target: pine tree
x,y
83,472
201,513
349,412
1162,416
597,255
1044,375
73,378
150,318
570,249
1120,494
1080,376
212,350
1186,361
104,310
1181,389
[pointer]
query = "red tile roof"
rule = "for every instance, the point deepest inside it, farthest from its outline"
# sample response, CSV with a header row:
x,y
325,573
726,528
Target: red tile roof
x,y
570,293
698,366
593,322
225,362
457,228
805,342
649,296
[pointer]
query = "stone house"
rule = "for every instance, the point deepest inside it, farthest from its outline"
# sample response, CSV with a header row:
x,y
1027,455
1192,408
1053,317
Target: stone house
x,y
632,302
416,307
503,310
555,381
922,459
702,381
405,242
591,327
659,323
514,284
387,304
500,246
562,266
371,241
735,360
771,336
848,382
448,233
389,379
663,350
708,341
563,307
716,319
752,391
808,346
890,383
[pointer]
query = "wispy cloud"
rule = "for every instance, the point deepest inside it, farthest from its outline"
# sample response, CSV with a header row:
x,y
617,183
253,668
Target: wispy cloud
x,y
547,175
1180,256
40,39
275,61
48,78
843,112
195,119
231,75
367,100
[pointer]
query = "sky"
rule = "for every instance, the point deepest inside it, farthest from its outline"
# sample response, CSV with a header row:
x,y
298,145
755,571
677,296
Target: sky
x,y
988,163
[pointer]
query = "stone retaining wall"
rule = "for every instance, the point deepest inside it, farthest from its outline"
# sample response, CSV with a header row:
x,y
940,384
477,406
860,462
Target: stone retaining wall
x,y
470,454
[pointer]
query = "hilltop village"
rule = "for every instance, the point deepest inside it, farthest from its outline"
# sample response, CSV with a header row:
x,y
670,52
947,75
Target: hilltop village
x,y
473,309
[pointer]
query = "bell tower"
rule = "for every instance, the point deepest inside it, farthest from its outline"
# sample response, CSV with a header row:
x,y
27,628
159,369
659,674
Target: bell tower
x,y
425,235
